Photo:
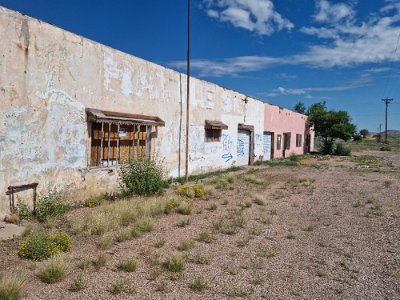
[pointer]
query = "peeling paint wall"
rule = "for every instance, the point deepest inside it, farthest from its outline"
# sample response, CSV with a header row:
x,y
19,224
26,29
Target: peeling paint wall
x,y
279,121
48,76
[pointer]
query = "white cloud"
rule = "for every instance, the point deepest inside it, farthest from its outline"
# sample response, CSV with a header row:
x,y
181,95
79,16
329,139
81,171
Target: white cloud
x,y
229,66
258,16
333,13
344,44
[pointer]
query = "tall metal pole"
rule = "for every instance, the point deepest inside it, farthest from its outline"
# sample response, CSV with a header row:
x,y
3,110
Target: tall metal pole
x,y
187,98
387,102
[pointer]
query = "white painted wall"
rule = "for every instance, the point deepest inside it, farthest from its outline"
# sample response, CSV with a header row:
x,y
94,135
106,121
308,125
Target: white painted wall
x,y
48,77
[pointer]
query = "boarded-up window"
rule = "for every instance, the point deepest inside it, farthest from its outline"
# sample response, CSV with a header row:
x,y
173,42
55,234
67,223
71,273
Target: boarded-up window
x,y
112,143
118,137
298,140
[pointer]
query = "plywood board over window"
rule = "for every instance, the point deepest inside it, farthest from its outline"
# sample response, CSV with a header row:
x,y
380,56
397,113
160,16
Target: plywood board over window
x,y
118,137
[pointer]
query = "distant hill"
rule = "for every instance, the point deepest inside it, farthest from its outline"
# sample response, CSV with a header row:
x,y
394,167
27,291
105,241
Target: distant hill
x,y
390,132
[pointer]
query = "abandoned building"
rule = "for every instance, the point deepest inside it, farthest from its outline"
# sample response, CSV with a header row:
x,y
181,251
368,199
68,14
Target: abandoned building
x,y
73,109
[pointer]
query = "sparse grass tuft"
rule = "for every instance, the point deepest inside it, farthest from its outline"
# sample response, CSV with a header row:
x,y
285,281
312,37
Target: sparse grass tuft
x,y
185,245
12,287
100,261
77,283
259,200
213,206
290,235
159,243
185,207
128,265
257,280
116,287
244,241
309,228
198,284
54,270
200,259
205,237
174,264
184,222
251,178
105,242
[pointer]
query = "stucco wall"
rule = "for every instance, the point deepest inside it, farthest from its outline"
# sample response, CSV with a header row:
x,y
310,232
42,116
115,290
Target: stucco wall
x,y
279,121
48,76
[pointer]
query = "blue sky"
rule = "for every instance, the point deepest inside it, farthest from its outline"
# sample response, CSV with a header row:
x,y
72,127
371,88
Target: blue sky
x,y
346,53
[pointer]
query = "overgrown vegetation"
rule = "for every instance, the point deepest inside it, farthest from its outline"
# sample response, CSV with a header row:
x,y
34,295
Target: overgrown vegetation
x,y
142,177
11,286
342,150
42,245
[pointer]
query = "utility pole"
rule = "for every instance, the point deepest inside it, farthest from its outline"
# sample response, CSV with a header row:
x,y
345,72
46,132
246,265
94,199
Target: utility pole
x,y
387,102
187,97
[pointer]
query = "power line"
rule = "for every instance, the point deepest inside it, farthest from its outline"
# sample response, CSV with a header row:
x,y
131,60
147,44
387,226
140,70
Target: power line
x,y
391,65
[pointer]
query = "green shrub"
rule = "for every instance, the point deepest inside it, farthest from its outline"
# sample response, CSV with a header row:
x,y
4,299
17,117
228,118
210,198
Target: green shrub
x,y
23,210
50,205
142,177
43,245
54,271
11,287
386,148
342,150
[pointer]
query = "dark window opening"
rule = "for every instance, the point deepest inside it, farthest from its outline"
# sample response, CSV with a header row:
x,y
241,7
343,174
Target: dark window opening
x,y
213,135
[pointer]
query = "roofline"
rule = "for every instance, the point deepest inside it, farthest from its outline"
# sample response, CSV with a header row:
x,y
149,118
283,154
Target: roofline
x,y
136,57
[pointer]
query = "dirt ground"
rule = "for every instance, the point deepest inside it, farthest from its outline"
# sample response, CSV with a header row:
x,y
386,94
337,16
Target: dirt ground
x,y
328,229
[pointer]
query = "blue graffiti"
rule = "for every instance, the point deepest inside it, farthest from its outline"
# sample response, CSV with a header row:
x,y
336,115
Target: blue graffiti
x,y
226,147
227,156
240,148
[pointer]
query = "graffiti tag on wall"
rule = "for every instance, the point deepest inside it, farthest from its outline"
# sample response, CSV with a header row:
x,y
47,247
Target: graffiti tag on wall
x,y
240,147
226,147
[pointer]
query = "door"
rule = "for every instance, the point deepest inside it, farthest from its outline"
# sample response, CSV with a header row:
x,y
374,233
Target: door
x,y
286,142
243,148
267,145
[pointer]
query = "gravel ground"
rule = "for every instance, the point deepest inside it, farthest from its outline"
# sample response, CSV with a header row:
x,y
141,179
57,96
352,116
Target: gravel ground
x,y
329,229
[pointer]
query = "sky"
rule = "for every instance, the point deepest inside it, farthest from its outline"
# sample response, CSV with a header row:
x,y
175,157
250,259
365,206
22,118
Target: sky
x,y
346,53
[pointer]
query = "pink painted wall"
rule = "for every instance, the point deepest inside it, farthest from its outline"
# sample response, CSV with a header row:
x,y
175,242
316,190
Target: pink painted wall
x,y
279,121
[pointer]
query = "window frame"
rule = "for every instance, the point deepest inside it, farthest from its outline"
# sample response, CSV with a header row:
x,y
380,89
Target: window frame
x,y
279,142
299,138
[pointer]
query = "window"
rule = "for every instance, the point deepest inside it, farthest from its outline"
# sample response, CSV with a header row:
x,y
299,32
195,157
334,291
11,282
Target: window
x,y
279,142
298,140
213,135
117,137
213,130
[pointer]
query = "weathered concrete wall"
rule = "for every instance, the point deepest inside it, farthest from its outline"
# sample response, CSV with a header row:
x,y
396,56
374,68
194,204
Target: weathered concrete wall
x,y
48,76
279,121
